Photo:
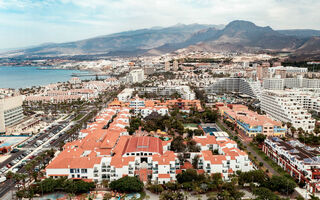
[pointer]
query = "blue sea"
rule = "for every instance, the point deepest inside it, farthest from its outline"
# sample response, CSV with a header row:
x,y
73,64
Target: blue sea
x,y
23,77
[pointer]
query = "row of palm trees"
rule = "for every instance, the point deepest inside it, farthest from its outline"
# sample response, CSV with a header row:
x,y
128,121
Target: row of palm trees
x,y
32,174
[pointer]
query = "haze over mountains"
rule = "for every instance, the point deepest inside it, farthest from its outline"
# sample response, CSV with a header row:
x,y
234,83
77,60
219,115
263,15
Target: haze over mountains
x,y
237,36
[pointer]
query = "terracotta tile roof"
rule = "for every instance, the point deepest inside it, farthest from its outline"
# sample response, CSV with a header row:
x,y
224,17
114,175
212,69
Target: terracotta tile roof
x,y
164,159
118,161
144,144
187,165
214,159
98,142
205,140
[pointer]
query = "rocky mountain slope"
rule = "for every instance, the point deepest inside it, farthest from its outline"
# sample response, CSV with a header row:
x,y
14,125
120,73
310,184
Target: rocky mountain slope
x,y
237,36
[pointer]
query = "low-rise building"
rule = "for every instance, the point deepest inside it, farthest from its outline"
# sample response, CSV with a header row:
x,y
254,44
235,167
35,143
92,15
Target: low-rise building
x,y
300,161
252,123
105,151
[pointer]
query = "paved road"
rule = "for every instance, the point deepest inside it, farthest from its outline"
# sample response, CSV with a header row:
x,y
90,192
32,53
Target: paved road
x,y
250,149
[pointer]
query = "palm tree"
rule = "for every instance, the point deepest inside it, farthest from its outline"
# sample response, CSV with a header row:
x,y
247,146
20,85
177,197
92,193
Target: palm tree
x,y
23,177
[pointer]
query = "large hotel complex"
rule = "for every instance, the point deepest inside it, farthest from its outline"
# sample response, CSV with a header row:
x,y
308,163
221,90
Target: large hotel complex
x,y
105,151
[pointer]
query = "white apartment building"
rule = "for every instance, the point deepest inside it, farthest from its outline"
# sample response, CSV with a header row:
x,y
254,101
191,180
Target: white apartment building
x,y
125,95
167,90
278,83
273,84
250,88
139,107
288,69
10,111
283,105
309,98
135,76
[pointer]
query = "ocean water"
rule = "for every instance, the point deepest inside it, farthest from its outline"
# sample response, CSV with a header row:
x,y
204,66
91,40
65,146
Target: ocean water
x,y
23,77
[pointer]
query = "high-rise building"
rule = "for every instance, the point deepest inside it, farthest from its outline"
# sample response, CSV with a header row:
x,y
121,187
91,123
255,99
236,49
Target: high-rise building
x,y
10,111
279,83
136,76
244,86
175,65
283,105
263,71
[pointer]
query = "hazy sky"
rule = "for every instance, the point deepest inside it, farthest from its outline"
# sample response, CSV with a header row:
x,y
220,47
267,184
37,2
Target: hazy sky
x,y
32,22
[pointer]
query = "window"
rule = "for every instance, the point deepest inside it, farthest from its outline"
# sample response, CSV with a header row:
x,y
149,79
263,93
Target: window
x,y
84,171
71,170
72,176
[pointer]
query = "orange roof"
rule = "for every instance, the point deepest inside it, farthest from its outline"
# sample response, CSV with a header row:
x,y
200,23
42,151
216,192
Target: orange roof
x,y
98,142
165,158
204,140
144,144
118,161
214,159
187,165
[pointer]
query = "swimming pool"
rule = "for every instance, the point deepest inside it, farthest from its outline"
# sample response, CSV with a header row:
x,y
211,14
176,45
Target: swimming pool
x,y
52,196
9,141
130,196
210,129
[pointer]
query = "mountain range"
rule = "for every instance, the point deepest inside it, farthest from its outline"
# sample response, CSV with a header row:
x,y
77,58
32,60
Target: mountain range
x,y
237,36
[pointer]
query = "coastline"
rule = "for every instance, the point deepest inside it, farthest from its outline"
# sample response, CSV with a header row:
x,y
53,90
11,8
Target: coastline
x,y
31,76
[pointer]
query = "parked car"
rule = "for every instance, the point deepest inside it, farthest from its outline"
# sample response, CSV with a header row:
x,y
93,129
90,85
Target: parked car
x,y
15,150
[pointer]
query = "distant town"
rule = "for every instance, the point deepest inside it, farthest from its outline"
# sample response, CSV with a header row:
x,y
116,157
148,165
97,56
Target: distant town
x,y
183,125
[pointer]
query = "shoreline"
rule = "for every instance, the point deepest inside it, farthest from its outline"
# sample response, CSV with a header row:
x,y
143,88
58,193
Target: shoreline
x,y
40,77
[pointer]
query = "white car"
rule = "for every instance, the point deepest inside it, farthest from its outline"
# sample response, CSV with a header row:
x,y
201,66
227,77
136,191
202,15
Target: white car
x,y
14,170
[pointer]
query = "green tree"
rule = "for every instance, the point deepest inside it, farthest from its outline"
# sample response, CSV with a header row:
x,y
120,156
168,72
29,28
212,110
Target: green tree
x,y
155,188
177,144
281,184
169,195
190,175
127,184
259,138
263,193
195,162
